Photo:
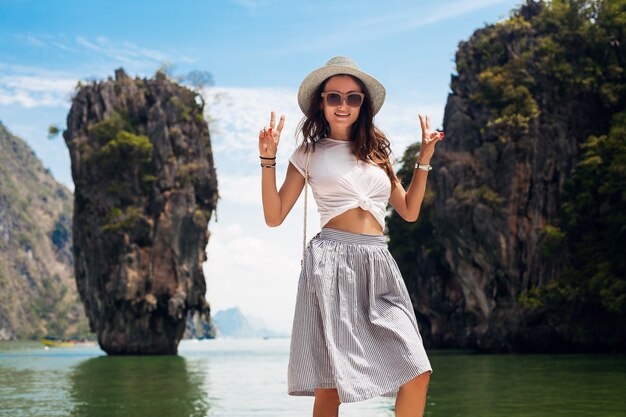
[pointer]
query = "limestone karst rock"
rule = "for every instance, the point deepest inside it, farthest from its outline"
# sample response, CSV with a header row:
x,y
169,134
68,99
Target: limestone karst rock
x,y
489,260
145,190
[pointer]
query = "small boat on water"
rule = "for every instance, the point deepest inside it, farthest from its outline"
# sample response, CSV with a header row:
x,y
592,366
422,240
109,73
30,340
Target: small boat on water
x,y
50,341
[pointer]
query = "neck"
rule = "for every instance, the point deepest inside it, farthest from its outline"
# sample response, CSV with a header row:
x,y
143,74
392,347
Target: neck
x,y
340,133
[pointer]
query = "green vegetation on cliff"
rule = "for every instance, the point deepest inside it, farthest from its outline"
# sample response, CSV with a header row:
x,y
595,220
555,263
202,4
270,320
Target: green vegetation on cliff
x,y
582,52
590,292
568,49
594,218
123,153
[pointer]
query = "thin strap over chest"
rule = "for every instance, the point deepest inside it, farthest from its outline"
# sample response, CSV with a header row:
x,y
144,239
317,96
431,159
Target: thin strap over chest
x,y
306,182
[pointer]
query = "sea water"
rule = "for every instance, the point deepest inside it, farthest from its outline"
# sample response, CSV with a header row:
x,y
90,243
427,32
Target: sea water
x,y
248,377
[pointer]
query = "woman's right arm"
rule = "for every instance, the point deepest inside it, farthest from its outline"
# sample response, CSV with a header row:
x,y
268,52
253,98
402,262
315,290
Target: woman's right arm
x,y
277,204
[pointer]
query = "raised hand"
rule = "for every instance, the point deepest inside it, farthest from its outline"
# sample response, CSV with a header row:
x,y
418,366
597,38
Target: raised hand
x,y
269,137
429,140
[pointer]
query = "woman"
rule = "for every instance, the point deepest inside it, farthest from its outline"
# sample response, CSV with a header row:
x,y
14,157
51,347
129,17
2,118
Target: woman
x,y
355,335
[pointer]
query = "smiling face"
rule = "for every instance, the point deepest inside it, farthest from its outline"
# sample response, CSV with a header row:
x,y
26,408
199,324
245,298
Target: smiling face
x,y
341,117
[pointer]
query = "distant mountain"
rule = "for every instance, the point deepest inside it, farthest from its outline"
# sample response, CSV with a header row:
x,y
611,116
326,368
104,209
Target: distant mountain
x,y
37,288
232,323
198,326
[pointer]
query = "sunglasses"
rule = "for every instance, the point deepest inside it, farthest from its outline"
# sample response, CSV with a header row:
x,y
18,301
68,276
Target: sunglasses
x,y
334,98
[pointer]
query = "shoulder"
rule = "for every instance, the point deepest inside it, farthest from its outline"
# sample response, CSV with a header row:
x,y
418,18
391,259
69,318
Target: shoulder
x,y
310,147
301,149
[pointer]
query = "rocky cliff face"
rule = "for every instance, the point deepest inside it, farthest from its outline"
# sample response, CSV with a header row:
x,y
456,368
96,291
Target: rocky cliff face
x,y
38,294
145,190
528,92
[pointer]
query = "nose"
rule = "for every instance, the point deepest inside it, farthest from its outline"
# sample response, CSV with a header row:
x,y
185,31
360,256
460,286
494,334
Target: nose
x,y
342,101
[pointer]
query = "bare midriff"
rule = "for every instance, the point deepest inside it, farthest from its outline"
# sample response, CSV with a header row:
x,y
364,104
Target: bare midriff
x,y
356,220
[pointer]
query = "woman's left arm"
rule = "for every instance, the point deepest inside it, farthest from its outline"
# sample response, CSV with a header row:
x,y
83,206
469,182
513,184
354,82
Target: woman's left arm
x,y
408,203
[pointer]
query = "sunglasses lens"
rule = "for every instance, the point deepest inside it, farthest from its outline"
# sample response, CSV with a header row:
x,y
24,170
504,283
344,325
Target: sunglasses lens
x,y
333,99
354,100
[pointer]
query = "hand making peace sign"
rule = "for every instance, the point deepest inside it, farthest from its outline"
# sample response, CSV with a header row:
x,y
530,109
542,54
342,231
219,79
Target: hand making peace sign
x,y
269,137
429,139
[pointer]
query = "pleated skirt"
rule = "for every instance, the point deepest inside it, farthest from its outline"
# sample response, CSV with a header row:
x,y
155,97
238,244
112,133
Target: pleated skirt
x,y
354,328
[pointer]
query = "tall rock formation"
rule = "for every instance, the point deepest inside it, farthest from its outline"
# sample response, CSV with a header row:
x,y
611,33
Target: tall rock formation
x,y
145,190
528,93
38,294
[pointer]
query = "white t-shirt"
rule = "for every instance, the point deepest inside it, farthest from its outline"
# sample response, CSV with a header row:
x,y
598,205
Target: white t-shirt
x,y
340,181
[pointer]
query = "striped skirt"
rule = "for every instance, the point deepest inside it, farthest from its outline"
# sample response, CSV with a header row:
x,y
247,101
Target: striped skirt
x,y
354,328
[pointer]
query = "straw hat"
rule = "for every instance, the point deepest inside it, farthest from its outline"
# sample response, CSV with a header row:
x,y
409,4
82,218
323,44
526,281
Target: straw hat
x,y
335,66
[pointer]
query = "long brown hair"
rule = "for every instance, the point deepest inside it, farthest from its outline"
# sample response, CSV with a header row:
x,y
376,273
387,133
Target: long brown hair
x,y
369,144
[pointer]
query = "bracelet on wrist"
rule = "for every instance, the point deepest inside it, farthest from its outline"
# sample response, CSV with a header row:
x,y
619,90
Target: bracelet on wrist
x,y
268,165
423,167
264,157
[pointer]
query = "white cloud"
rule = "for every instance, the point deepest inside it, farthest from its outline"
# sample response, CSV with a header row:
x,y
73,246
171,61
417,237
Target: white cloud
x,y
32,87
62,46
243,189
46,41
37,84
400,122
240,113
133,57
36,87
125,52
31,40
84,42
257,273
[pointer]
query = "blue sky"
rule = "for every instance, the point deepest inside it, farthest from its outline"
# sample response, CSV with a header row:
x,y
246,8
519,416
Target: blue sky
x,y
258,52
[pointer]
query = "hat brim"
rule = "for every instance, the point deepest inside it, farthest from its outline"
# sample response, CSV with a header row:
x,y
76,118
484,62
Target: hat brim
x,y
311,82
